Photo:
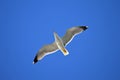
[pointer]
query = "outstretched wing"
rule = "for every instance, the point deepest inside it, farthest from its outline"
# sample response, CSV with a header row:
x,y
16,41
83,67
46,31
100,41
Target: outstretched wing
x,y
48,49
71,33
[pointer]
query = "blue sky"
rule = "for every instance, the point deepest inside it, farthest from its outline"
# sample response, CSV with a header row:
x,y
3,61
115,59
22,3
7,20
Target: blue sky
x,y
27,25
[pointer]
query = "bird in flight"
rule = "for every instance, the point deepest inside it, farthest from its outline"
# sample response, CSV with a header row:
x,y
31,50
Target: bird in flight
x,y
59,43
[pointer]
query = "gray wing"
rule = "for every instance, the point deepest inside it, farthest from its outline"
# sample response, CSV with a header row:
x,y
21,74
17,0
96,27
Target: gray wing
x,y
71,33
48,49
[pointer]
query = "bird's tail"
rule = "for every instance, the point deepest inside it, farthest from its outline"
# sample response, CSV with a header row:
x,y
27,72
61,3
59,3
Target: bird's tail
x,y
65,52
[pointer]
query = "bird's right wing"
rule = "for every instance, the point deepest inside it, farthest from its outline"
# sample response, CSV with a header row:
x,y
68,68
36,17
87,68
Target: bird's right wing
x,y
71,33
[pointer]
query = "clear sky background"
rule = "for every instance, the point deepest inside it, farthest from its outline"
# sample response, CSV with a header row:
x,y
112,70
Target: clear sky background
x,y
27,25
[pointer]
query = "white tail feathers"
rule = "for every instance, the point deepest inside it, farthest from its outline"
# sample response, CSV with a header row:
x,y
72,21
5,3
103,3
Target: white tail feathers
x,y
65,52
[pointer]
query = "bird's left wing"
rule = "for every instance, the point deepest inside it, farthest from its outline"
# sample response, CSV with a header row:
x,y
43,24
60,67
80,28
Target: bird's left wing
x,y
45,50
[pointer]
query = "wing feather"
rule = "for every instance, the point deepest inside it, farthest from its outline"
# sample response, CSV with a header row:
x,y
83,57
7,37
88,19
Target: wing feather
x,y
45,50
71,33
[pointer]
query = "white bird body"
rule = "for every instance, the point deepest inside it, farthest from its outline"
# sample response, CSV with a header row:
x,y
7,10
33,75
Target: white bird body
x,y
60,44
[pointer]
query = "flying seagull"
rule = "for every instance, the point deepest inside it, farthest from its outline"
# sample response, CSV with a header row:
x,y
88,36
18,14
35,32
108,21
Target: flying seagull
x,y
59,43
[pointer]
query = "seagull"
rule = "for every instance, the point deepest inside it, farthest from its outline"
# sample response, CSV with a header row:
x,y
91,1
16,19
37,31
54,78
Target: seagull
x,y
60,43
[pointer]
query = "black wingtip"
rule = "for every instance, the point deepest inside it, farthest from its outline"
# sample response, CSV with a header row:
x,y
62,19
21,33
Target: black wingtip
x,y
35,60
83,27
